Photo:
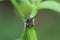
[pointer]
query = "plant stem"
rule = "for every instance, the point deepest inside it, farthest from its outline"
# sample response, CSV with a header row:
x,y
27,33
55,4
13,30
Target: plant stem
x,y
30,33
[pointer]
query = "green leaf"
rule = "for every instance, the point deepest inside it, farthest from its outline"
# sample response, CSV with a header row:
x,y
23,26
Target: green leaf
x,y
31,34
35,2
53,5
33,13
23,36
16,5
23,7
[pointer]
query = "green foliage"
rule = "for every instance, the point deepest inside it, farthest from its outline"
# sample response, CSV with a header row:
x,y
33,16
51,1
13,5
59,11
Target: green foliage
x,y
54,0
23,7
29,34
26,7
53,5
32,6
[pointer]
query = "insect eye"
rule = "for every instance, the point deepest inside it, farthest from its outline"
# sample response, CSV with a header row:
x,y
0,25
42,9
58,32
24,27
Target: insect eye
x,y
29,20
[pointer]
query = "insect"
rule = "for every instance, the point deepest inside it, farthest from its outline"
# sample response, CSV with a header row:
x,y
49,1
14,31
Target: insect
x,y
29,22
